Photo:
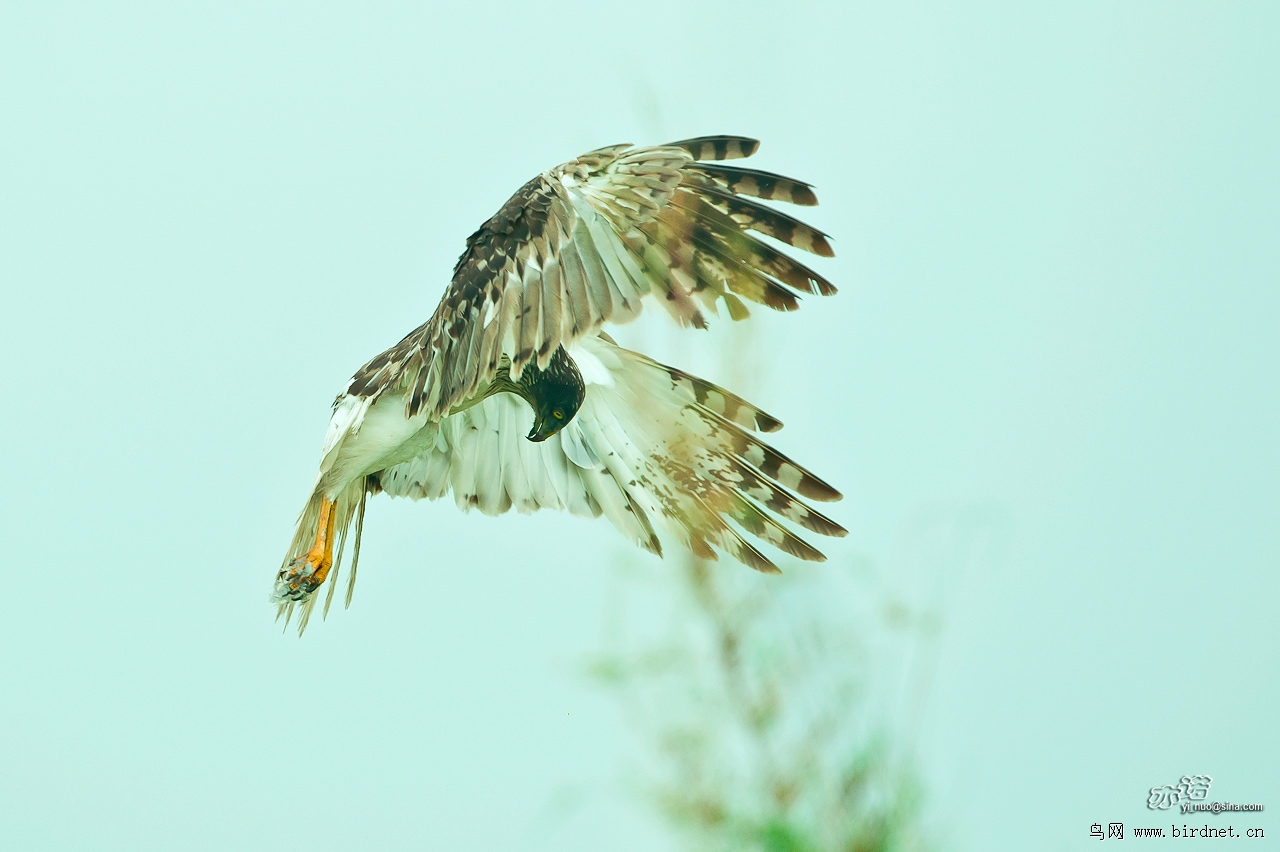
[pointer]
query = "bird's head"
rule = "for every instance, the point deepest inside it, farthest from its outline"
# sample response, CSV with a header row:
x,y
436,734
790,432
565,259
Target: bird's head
x,y
555,394
554,406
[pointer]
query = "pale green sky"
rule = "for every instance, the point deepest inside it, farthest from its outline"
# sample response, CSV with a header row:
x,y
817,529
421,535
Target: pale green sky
x,y
1059,244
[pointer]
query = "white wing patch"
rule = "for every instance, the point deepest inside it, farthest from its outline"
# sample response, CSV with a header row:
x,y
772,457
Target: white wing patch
x,y
642,450
579,246
593,370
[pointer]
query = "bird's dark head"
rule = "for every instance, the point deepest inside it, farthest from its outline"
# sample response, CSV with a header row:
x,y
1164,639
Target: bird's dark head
x,y
555,408
555,393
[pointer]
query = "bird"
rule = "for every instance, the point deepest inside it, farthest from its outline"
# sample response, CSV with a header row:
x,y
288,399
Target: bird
x,y
514,395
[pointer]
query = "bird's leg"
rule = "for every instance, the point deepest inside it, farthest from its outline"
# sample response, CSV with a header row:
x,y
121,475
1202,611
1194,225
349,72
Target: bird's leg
x,y
308,572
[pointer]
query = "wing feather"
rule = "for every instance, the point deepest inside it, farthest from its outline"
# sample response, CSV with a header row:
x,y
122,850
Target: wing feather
x,y
651,448
577,295
584,244
757,184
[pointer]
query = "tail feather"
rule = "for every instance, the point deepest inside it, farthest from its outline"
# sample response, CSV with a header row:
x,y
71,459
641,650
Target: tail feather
x,y
652,448
355,556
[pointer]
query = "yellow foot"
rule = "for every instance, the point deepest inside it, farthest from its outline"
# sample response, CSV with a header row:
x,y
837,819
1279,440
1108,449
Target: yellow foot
x,y
303,576
306,573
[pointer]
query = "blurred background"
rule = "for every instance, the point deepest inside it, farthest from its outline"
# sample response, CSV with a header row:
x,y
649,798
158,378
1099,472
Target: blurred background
x,y
1047,389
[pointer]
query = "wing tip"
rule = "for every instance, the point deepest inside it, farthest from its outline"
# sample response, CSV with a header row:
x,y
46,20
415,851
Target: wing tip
x,y
802,195
766,422
719,147
815,489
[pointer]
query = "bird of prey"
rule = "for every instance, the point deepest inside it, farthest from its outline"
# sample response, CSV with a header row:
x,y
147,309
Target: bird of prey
x,y
513,395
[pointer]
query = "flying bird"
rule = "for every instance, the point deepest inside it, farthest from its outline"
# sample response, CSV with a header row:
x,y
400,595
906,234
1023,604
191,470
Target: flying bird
x,y
514,396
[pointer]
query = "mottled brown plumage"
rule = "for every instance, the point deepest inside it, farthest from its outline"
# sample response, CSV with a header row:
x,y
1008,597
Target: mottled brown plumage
x,y
544,271
517,339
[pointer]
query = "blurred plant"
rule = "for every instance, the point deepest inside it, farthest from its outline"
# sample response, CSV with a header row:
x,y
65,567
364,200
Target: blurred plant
x,y
755,695
755,701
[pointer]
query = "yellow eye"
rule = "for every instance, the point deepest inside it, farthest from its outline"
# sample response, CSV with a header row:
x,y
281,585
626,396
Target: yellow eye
x,y
557,414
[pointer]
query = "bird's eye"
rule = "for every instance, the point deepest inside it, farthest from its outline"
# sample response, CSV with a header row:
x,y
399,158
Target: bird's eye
x,y
557,414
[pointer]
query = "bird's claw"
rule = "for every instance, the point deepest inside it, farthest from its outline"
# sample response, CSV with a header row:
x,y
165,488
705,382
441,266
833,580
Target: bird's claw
x,y
301,577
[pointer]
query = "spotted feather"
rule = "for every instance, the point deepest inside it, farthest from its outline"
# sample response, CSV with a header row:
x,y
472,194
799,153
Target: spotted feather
x,y
661,453
584,244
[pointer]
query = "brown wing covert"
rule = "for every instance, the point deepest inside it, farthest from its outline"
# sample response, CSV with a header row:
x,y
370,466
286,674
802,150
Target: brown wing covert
x,y
583,244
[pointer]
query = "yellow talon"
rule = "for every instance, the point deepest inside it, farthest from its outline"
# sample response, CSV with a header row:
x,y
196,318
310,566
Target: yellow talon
x,y
308,572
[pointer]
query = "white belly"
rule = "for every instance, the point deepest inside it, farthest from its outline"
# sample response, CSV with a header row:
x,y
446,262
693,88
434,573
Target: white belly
x,y
364,438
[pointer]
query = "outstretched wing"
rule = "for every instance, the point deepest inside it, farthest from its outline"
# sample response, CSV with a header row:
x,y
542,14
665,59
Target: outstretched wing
x,y
584,244
650,447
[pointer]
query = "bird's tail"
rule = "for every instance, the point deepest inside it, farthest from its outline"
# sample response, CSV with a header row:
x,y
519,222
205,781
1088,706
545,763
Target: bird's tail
x,y
322,527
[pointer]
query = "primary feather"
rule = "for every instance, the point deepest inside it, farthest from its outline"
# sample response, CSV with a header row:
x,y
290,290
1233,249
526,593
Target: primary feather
x,y
652,448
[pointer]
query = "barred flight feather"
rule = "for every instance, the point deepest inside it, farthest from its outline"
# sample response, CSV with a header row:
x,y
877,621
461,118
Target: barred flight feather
x,y
718,147
652,448
585,243
757,184
647,446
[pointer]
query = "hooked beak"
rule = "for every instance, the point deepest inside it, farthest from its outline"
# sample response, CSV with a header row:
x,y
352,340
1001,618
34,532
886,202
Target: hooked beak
x,y
541,431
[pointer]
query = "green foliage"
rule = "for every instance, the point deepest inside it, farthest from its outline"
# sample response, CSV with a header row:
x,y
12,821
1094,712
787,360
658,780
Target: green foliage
x,y
757,722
